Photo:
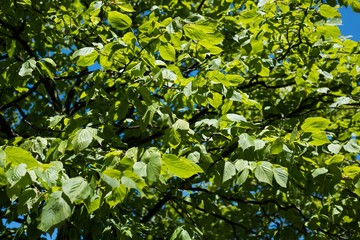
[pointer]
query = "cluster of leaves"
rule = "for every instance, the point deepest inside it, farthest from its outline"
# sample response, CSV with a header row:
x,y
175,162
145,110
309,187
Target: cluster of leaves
x,y
178,119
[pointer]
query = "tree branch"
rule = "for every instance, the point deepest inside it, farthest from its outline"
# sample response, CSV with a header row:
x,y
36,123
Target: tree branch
x,y
5,128
156,208
21,97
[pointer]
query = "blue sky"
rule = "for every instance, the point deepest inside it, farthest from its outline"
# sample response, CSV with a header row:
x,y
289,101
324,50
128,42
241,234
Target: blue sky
x,y
351,21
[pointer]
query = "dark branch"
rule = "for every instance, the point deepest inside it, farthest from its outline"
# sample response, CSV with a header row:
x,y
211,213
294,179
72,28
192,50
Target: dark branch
x,y
5,127
21,97
156,208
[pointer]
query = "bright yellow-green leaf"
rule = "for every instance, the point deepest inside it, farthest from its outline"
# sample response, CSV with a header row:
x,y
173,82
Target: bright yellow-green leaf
x,y
328,11
281,176
17,155
88,60
119,20
55,211
194,32
216,100
329,31
167,52
314,124
116,196
335,159
264,172
351,171
126,7
180,166
319,138
3,180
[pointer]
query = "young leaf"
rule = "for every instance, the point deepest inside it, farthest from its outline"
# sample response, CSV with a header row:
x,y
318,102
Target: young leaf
x,y
83,52
319,171
314,124
119,20
152,158
264,172
352,146
27,68
246,141
243,176
17,155
281,176
116,196
180,166
77,189
328,11
167,52
55,211
82,139
229,171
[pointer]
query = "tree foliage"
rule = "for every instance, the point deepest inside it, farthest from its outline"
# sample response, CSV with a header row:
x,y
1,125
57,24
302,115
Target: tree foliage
x,y
219,119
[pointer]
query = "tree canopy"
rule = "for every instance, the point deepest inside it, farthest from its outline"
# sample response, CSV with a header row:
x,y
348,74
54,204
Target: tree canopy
x,y
167,119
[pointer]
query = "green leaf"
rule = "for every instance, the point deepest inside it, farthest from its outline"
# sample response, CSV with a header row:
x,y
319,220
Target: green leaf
x,y
195,32
111,177
152,158
15,174
174,138
180,166
167,52
241,164
334,148
3,179
168,75
229,171
351,171
2,158
180,234
126,7
27,68
77,189
243,176
83,52
26,201
55,120
319,138
259,144
235,117
117,196
319,171
82,139
88,60
216,100
352,146
264,172
140,169
119,20
55,211
281,176
328,11
17,155
314,124
329,31
181,124
46,70
246,141
335,159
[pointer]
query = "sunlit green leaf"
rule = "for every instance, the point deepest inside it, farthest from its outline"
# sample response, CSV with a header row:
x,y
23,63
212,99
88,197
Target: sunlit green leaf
x,y
180,166
16,156
314,124
55,211
264,173
119,20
